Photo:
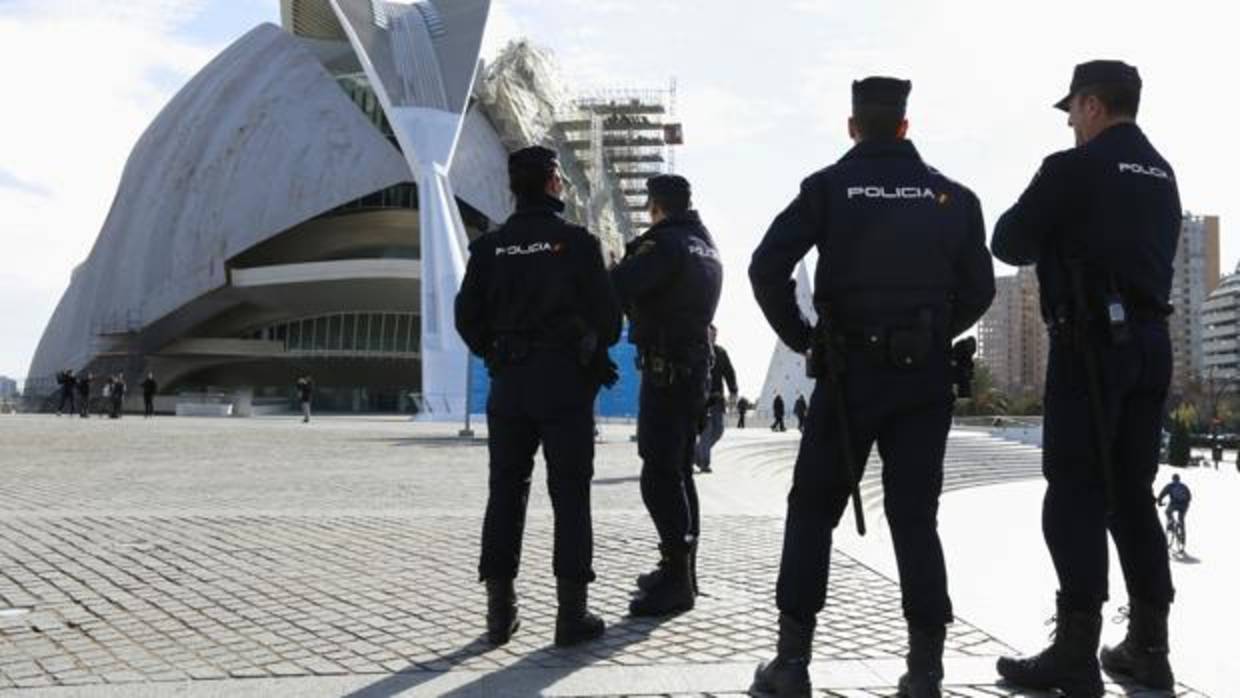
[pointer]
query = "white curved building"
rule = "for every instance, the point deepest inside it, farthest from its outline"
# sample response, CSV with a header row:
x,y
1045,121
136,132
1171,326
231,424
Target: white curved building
x,y
266,226
1221,318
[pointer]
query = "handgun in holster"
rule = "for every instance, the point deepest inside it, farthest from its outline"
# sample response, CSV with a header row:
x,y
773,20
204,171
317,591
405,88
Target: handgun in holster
x,y
507,350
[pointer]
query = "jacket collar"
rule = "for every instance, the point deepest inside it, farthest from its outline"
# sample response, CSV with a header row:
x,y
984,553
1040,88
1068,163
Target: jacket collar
x,y
902,148
540,204
689,217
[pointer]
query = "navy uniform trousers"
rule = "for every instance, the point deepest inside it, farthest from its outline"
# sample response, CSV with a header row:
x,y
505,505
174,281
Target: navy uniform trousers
x,y
545,399
667,430
907,413
1135,379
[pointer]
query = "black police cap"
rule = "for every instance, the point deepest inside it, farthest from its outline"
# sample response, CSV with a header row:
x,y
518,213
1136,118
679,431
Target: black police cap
x,y
535,157
881,92
1100,73
669,186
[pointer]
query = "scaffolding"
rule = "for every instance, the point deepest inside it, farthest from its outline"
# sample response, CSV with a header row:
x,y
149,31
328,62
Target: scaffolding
x,y
626,136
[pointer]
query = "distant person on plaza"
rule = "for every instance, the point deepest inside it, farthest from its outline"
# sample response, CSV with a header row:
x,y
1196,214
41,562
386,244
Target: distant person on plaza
x,y
778,408
67,389
305,393
742,406
1216,451
83,391
799,408
537,304
149,387
117,395
720,372
1178,496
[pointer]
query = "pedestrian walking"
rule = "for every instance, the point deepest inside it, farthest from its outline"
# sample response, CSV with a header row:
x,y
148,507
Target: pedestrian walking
x,y
799,409
721,372
742,406
117,395
305,394
83,390
777,408
149,388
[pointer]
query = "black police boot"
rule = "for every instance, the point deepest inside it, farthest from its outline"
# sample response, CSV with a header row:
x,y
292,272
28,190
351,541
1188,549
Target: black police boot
x,y
573,623
787,675
649,580
1142,656
672,592
502,618
1070,664
924,678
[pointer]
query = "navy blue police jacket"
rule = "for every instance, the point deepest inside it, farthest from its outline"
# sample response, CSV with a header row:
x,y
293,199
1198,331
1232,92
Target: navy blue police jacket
x,y
669,284
1111,203
894,236
537,277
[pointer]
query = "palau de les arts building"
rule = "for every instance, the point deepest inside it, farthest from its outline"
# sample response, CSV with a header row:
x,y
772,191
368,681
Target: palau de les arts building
x,y
266,224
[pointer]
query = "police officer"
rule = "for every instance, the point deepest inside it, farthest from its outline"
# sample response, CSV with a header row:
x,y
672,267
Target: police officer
x,y
721,372
903,269
1101,222
669,283
537,304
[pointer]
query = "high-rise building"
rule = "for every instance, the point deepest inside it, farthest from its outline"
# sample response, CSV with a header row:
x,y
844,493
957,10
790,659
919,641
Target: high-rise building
x,y
1012,340
8,388
1196,276
1221,318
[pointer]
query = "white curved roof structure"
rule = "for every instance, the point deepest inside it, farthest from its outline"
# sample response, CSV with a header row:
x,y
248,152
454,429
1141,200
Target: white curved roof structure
x,y
260,140
270,193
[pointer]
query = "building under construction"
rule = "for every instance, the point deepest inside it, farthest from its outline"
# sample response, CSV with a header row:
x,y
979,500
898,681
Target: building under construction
x,y
629,136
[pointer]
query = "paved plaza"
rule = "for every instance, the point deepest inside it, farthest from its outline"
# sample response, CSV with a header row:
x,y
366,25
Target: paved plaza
x,y
264,557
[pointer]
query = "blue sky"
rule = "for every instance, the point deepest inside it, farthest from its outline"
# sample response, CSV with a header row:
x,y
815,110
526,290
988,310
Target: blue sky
x,y
764,94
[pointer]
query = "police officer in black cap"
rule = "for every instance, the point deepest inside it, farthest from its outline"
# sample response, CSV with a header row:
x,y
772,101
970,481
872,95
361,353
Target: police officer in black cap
x,y
537,304
1101,222
903,269
669,283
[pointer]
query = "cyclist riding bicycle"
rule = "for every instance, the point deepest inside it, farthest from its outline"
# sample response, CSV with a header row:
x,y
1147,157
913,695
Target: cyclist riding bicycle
x,y
1179,497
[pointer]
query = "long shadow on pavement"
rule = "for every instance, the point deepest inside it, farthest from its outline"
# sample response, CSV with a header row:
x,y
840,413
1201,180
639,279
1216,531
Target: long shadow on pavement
x,y
604,481
501,681
430,441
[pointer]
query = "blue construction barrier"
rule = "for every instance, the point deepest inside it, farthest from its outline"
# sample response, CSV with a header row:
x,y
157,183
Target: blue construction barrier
x,y
618,401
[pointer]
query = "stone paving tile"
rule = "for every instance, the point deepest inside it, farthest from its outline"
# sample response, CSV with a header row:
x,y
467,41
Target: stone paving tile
x,y
162,598
255,549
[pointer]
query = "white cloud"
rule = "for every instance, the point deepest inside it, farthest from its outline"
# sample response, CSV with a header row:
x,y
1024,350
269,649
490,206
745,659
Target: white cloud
x,y
502,27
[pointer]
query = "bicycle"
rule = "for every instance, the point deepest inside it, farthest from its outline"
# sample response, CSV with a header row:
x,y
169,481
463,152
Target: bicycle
x,y
1175,532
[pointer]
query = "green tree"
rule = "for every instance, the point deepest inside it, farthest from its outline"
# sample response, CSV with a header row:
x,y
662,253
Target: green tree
x,y
987,399
1179,451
